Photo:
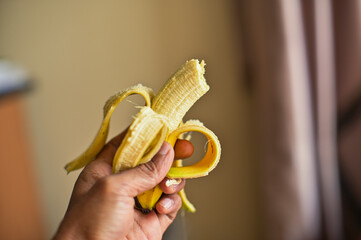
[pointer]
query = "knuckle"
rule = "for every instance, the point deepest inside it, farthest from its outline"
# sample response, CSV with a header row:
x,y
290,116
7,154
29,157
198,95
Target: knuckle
x,y
171,217
149,170
106,186
109,187
96,170
125,189
91,176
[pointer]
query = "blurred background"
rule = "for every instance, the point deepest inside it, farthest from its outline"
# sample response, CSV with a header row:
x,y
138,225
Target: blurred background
x,y
284,101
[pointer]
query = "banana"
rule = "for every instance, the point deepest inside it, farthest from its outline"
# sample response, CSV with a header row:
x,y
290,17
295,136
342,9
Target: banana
x,y
158,121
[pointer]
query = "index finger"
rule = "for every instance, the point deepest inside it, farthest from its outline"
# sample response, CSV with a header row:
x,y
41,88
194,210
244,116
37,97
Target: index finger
x,y
99,168
108,152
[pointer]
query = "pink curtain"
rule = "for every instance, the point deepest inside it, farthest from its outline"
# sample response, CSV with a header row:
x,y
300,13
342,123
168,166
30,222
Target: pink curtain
x,y
302,65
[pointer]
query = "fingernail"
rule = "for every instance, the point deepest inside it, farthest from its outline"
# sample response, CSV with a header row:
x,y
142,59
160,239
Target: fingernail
x,y
173,182
164,149
166,203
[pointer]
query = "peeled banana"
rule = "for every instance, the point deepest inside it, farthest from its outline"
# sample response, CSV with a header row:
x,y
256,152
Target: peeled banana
x,y
158,121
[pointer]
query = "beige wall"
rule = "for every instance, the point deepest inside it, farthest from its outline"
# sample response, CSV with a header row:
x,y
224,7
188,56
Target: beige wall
x,y
80,52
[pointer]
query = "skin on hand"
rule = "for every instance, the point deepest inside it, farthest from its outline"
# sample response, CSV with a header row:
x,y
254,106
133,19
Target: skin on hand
x,y
183,149
102,204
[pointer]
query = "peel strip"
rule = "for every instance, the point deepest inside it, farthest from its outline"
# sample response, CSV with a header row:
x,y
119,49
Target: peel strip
x,y
101,137
208,162
186,204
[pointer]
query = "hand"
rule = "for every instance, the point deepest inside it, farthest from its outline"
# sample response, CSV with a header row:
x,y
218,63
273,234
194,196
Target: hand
x,y
102,204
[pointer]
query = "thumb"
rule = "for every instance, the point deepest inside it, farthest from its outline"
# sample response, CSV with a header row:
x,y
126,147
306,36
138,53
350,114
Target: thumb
x,y
146,176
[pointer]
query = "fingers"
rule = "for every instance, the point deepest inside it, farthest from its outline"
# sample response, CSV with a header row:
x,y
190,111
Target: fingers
x,y
146,176
139,179
99,168
170,203
183,149
170,186
167,209
109,150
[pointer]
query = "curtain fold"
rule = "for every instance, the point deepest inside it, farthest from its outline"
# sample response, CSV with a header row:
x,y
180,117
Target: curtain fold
x,y
289,58
347,26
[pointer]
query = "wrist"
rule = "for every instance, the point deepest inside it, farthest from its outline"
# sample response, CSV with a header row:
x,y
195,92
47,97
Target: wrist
x,y
67,232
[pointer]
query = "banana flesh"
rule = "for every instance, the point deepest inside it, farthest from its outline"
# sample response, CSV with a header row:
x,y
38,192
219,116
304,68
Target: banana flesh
x,y
180,92
131,152
158,121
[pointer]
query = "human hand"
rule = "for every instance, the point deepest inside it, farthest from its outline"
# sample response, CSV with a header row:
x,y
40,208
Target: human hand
x,y
102,203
